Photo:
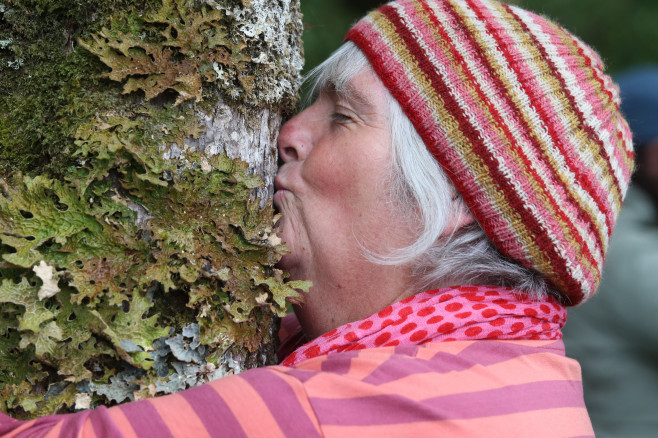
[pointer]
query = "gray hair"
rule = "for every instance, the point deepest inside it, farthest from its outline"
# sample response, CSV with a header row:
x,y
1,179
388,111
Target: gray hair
x,y
423,192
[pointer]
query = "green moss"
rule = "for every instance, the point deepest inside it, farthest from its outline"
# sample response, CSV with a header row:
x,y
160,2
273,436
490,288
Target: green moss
x,y
235,50
207,247
54,82
123,274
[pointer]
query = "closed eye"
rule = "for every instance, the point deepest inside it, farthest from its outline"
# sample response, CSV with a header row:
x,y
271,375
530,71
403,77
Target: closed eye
x,y
340,118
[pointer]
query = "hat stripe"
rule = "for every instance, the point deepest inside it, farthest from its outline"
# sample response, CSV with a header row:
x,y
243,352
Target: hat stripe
x,y
557,188
563,228
544,102
534,229
553,106
611,161
521,117
503,103
405,89
576,84
623,152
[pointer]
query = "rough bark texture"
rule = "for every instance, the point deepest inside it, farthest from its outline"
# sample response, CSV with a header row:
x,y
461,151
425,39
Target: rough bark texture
x,y
251,139
137,154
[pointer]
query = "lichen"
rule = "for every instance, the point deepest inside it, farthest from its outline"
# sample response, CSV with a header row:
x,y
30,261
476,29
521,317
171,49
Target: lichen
x,y
181,56
244,54
131,264
273,45
207,247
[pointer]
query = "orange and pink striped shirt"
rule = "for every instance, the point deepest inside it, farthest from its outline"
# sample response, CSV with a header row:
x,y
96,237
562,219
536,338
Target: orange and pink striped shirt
x,y
495,387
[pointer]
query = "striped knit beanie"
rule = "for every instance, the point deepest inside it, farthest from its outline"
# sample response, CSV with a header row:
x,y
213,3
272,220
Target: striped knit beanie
x,y
522,118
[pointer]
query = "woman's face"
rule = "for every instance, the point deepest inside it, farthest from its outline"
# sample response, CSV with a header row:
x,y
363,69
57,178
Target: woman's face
x,y
332,191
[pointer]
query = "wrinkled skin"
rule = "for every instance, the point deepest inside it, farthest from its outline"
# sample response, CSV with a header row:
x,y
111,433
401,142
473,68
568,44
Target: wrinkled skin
x,y
332,191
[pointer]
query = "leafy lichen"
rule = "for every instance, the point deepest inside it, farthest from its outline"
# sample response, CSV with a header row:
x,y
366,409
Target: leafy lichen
x,y
185,53
207,246
225,50
123,274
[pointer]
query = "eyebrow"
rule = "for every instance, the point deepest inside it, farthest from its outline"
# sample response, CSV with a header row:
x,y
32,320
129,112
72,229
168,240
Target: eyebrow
x,y
352,96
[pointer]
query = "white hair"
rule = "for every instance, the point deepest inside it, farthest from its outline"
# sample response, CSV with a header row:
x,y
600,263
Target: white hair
x,y
424,195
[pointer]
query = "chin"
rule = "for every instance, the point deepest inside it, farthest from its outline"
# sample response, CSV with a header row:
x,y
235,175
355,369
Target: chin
x,y
287,261
291,266
284,263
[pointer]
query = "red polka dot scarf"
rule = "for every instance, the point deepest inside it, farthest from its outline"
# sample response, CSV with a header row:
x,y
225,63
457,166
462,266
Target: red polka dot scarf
x,y
455,313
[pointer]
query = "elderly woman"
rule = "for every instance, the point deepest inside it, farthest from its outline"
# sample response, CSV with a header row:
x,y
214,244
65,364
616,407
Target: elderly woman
x,y
453,186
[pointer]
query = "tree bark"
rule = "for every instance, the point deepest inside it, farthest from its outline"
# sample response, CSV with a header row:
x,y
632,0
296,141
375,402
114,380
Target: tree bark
x,y
138,260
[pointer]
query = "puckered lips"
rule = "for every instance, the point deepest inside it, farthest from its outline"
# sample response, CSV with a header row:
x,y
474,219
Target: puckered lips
x,y
280,190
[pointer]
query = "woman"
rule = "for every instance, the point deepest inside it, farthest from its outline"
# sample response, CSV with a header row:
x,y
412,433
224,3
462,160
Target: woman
x,y
452,187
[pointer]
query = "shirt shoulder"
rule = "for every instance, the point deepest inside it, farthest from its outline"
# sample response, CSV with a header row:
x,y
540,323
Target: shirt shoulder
x,y
460,388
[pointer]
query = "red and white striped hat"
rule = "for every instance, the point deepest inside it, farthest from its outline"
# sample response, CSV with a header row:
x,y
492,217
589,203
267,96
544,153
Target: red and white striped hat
x,y
523,119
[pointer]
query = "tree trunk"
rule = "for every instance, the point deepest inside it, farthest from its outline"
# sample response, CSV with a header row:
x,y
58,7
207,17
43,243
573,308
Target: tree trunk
x,y
138,151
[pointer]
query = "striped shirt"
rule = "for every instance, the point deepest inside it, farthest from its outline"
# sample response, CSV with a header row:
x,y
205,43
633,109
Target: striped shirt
x,y
460,388
407,370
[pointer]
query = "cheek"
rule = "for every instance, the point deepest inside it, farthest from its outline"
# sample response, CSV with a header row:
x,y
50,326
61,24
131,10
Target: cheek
x,y
335,175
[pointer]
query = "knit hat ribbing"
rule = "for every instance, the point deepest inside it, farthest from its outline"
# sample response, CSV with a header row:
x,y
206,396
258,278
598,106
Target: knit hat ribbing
x,y
522,118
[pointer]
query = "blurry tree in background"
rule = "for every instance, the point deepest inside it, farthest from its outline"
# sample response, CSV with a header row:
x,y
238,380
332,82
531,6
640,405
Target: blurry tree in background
x,y
624,32
325,25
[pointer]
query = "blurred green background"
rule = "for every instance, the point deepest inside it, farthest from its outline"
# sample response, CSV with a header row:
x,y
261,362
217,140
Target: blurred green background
x,y
624,32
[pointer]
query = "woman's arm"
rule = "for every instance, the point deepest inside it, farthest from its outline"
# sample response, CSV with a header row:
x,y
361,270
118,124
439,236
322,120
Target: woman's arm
x,y
260,402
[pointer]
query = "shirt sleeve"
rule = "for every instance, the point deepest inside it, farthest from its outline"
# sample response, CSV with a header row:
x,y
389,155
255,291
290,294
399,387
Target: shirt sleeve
x,y
256,403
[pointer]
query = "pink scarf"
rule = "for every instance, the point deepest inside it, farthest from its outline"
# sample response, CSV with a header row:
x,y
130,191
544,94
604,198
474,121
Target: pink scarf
x,y
449,314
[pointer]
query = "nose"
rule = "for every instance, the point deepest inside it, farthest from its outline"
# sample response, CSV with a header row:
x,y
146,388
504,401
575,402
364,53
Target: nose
x,y
295,139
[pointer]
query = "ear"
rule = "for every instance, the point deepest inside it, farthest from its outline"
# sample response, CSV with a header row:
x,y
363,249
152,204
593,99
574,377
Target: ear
x,y
460,219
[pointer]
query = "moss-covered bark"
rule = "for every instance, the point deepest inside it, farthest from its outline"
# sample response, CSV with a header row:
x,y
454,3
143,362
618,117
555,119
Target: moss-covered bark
x,y
136,258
